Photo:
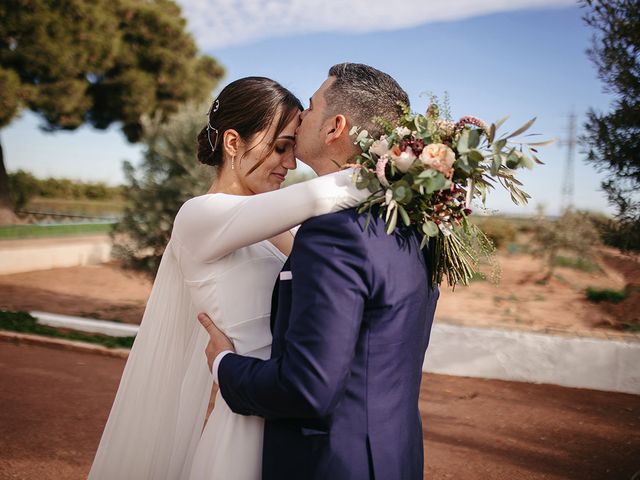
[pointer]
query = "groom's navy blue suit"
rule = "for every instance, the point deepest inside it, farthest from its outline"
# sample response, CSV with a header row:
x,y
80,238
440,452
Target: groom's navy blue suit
x,y
351,324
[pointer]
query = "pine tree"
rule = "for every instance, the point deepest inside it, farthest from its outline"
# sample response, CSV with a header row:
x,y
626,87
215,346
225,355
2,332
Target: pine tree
x,y
613,139
98,62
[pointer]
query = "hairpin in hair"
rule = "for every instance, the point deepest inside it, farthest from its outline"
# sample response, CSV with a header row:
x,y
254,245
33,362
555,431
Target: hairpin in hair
x,y
214,108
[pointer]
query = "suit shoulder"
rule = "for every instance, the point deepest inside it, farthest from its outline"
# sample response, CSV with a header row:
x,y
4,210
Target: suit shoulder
x,y
348,220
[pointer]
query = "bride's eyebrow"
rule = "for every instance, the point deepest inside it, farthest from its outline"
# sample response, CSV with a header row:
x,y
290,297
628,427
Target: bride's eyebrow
x,y
287,137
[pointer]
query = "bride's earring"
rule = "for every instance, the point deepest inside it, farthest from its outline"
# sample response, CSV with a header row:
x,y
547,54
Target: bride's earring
x,y
233,162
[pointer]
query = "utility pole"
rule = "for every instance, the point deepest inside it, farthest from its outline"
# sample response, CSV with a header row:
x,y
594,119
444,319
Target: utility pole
x,y
568,177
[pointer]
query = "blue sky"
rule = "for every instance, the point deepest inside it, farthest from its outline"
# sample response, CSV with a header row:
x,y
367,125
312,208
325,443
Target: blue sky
x,y
523,63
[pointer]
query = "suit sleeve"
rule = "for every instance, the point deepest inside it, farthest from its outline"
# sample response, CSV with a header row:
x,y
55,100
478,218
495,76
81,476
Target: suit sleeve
x,y
329,290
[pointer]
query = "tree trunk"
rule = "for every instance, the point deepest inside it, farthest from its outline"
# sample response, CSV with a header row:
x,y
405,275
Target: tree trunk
x,y
6,207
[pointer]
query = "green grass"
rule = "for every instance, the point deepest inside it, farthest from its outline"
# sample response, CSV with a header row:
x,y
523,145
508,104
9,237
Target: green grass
x,y
606,295
577,263
23,322
10,232
77,207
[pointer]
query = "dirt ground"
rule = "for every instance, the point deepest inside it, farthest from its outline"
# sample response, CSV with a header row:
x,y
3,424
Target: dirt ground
x,y
518,301
521,301
97,291
54,403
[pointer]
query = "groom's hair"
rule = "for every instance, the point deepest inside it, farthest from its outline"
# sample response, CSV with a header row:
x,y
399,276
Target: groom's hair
x,y
362,93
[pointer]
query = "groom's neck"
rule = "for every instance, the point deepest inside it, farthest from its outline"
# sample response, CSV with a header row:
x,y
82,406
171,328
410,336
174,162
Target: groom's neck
x,y
326,168
329,164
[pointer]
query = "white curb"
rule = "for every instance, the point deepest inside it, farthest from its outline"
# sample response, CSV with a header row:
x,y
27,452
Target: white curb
x,y
580,362
104,327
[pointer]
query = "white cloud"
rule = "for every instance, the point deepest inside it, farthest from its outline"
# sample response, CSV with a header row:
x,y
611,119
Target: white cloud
x,y
222,23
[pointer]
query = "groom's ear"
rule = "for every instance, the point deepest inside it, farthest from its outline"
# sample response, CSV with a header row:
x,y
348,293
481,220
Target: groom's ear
x,y
336,128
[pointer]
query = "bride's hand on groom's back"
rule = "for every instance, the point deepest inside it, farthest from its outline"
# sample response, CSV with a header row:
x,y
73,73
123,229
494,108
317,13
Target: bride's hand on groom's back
x,y
218,341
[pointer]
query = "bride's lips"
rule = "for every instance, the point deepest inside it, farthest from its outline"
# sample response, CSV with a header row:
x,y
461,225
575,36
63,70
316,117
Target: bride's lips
x,y
279,176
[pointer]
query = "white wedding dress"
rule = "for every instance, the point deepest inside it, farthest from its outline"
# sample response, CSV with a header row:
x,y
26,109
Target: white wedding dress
x,y
219,262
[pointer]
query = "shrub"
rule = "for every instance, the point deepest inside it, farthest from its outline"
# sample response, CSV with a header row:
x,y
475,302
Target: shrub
x,y
572,232
23,187
606,295
577,263
500,230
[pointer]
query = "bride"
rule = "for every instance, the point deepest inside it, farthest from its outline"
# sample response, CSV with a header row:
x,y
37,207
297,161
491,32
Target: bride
x,y
225,252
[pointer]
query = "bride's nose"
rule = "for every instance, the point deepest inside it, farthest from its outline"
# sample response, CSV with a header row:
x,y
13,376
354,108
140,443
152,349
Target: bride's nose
x,y
290,162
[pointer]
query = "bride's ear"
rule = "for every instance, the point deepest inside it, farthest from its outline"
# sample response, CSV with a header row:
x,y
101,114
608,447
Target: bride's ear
x,y
336,129
231,142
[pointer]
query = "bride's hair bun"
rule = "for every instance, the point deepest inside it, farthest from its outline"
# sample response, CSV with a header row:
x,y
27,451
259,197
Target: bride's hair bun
x,y
204,152
248,106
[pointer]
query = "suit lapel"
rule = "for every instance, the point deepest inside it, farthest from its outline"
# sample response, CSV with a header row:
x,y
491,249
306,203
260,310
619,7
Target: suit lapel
x,y
276,295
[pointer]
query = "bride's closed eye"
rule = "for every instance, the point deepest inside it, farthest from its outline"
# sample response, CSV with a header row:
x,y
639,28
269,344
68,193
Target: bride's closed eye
x,y
283,147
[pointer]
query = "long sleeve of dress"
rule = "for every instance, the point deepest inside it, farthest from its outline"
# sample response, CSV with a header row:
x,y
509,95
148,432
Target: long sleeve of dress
x,y
214,225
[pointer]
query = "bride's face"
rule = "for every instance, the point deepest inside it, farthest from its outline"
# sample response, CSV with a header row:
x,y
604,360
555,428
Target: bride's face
x,y
259,174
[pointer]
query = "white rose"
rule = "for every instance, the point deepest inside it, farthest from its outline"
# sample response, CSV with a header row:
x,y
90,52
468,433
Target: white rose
x,y
380,147
402,131
404,161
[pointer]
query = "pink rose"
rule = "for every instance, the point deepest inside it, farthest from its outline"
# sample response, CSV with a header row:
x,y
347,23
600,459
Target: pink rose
x,y
439,157
380,173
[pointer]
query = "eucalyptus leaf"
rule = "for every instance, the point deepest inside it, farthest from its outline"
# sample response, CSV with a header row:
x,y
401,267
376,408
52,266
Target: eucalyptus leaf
x,y
513,159
404,215
500,122
430,228
428,173
475,157
499,145
492,133
391,226
463,142
474,138
368,221
463,164
436,183
496,162
390,209
523,128
362,183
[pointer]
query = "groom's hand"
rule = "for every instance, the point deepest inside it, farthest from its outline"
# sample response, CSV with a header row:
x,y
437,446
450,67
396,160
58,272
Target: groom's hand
x,y
218,341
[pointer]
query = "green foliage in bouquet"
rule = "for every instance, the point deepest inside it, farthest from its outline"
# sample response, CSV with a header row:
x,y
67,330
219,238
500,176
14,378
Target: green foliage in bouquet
x,y
426,170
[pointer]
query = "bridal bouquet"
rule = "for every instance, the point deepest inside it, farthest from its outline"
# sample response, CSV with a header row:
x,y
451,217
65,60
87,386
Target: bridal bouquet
x,y
425,172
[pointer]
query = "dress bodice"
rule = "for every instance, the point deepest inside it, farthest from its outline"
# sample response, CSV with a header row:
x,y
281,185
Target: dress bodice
x,y
235,291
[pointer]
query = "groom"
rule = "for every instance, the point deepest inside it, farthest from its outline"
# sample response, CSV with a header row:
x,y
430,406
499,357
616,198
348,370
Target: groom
x,y
351,317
